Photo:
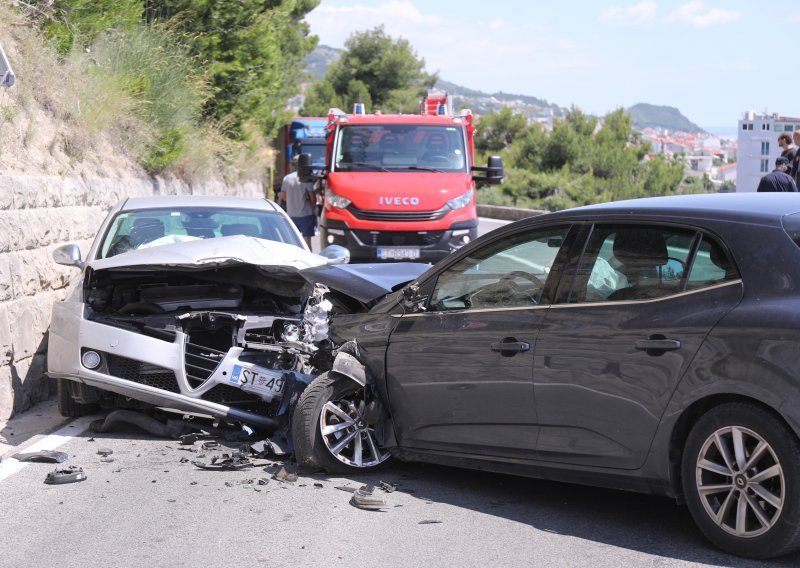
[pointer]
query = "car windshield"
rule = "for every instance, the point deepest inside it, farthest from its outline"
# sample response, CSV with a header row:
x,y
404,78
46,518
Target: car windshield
x,y
131,230
400,147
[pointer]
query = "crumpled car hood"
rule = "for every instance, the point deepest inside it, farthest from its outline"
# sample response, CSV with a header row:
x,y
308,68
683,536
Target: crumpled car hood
x,y
280,265
210,253
365,282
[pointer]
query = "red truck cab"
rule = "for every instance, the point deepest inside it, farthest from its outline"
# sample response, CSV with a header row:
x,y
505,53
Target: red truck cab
x,y
400,187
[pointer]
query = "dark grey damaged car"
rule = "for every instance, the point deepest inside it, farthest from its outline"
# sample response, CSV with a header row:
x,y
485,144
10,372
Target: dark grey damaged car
x,y
650,345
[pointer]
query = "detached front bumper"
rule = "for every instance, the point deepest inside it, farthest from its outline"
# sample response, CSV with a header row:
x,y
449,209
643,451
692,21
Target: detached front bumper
x,y
154,370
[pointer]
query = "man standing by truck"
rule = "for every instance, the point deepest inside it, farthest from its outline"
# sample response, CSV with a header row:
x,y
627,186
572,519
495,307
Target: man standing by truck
x,y
301,202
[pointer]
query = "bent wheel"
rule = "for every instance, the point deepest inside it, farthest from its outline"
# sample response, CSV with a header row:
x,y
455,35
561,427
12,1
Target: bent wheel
x,y
332,429
741,469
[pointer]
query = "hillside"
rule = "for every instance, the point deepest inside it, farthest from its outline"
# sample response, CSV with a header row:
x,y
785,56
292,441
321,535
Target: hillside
x,y
645,115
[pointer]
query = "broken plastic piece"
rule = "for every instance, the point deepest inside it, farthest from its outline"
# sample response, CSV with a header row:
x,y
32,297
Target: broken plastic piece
x,y
236,461
387,486
364,499
105,452
69,475
283,475
43,456
429,522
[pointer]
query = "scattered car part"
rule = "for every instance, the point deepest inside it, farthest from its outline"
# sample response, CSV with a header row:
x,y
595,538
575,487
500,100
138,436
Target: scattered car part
x,y
42,456
429,522
363,498
283,475
71,474
225,462
105,452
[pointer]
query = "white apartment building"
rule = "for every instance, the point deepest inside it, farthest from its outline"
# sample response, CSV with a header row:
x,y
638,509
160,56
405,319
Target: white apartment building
x,y
757,146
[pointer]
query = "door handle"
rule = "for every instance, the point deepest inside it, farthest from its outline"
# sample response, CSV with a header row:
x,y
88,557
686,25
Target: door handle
x,y
658,344
510,346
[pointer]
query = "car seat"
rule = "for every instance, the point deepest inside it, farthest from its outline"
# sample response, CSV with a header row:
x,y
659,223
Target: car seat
x,y
641,252
145,230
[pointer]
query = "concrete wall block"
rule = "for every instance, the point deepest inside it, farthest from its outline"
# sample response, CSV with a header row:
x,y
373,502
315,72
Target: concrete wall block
x,y
73,192
29,319
5,336
6,282
7,185
6,237
29,383
30,192
6,393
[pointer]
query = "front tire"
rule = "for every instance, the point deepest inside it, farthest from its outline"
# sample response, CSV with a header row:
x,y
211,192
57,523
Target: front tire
x,y
332,430
741,479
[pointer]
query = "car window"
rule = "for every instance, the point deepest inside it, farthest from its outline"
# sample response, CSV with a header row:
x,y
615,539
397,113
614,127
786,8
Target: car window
x,y
710,266
506,273
632,263
131,230
627,262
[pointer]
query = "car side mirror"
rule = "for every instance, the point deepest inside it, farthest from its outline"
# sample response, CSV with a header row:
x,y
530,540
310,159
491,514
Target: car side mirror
x,y
68,255
336,254
412,300
494,172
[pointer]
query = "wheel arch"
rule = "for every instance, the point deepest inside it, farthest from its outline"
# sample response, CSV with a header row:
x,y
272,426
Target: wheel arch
x,y
690,416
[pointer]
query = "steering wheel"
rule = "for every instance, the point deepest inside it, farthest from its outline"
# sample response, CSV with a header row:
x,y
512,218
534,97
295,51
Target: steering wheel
x,y
508,280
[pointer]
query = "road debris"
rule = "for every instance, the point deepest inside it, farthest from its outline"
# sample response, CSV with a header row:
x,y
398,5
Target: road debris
x,y
225,462
283,475
363,498
69,475
105,452
430,522
43,456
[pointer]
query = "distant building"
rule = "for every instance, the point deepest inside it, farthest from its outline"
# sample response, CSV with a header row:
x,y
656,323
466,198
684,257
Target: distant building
x,y
758,146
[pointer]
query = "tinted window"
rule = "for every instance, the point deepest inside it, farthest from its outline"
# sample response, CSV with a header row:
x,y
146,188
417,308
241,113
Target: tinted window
x,y
508,273
632,263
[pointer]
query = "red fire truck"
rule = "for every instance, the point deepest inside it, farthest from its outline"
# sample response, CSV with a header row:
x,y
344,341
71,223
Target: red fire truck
x,y
400,187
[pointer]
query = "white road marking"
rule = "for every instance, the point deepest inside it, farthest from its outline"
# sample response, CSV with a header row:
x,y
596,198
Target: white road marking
x,y
10,466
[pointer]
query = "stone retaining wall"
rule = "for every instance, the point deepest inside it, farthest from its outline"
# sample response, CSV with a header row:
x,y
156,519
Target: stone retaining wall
x,y
37,215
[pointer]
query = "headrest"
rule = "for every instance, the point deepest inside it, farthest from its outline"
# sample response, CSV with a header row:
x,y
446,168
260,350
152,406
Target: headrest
x,y
640,248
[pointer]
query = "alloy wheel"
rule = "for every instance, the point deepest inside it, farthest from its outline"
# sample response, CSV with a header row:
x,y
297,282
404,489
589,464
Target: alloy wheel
x,y
740,481
347,434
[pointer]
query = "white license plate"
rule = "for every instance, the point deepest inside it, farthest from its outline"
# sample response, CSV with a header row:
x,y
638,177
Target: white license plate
x,y
398,253
250,379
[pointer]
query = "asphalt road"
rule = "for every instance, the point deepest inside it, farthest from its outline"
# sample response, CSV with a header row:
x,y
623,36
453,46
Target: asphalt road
x,y
151,507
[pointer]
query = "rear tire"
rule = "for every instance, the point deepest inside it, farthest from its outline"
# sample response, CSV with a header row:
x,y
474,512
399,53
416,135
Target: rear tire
x,y
741,479
67,405
329,429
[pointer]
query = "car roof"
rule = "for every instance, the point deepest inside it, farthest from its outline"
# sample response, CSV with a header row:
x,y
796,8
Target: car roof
x,y
760,208
134,203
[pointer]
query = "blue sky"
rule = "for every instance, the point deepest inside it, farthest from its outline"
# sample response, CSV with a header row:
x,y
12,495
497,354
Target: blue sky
x,y
712,59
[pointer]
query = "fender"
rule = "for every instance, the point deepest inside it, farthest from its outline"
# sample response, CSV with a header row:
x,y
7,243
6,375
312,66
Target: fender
x,y
350,367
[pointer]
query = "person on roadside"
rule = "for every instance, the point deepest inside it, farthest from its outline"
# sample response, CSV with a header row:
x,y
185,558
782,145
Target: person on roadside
x,y
788,150
794,168
778,179
301,202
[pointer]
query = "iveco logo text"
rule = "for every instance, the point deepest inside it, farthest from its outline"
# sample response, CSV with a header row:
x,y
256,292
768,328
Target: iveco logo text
x,y
398,201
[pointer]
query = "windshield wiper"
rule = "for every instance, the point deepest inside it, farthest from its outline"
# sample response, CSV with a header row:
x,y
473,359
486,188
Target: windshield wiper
x,y
424,169
362,165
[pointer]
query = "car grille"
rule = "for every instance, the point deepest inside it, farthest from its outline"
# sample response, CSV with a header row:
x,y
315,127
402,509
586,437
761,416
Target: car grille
x,y
399,238
200,362
141,372
398,215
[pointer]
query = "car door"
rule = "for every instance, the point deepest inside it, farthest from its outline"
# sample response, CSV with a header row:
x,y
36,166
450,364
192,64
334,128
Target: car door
x,y
459,375
613,348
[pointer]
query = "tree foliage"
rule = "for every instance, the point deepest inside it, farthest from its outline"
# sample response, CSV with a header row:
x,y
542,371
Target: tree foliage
x,y
375,69
71,22
252,50
580,161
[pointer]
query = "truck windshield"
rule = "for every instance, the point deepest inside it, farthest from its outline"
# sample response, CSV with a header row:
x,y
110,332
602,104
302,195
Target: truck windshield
x,y
400,148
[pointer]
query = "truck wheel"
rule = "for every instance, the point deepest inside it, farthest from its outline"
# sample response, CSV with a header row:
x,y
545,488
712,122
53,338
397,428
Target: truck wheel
x,y
67,405
330,431
741,479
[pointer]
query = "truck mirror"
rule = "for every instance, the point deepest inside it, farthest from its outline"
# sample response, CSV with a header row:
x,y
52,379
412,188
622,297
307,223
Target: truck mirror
x,y
493,172
304,169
